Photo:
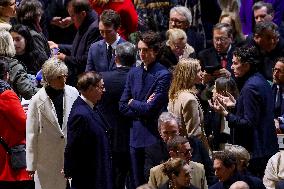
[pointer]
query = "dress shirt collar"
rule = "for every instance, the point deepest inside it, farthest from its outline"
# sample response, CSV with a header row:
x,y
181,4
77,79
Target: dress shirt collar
x,y
115,43
87,101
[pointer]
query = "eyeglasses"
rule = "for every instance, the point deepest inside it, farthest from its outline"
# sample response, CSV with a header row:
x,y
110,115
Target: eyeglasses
x,y
62,76
277,70
220,39
187,152
177,22
100,87
179,46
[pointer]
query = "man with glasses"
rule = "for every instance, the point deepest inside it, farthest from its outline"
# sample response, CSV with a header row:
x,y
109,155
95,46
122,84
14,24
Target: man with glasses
x,y
168,126
216,62
220,55
277,92
101,53
179,147
181,18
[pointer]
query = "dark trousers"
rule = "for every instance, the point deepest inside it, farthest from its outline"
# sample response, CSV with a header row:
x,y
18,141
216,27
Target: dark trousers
x,y
257,166
17,184
137,156
121,168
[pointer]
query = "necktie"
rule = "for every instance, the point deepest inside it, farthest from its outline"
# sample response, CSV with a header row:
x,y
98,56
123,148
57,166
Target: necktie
x,y
278,102
224,61
109,53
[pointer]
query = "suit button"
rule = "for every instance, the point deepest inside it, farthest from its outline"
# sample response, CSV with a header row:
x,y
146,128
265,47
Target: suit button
x,y
62,137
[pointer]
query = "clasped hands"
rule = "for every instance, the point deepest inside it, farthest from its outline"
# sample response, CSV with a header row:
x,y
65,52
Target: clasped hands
x,y
220,103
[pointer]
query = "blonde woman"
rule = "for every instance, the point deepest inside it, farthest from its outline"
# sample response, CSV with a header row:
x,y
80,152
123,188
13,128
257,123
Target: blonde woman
x,y
46,126
183,101
175,48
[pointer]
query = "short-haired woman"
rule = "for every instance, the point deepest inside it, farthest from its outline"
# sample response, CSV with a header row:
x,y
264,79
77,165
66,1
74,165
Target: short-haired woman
x,y
46,131
175,48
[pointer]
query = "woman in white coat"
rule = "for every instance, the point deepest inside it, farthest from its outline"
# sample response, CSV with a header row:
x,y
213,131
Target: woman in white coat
x,y
46,126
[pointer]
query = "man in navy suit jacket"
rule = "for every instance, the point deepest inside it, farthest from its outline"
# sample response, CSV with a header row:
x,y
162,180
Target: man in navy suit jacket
x,y
277,93
145,96
87,158
114,82
101,53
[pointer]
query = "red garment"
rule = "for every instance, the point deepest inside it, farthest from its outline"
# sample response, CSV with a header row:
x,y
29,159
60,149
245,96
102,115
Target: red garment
x,y
127,12
13,131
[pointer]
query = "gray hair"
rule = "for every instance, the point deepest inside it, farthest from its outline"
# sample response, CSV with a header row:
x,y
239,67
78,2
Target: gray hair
x,y
258,5
167,117
240,152
175,34
7,47
267,25
184,11
126,54
226,27
51,69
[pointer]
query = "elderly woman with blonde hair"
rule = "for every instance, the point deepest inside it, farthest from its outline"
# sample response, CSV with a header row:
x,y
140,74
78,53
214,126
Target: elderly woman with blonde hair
x,y
46,129
175,48
183,101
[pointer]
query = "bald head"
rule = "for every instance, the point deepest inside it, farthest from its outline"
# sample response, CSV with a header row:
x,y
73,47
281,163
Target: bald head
x,y
239,185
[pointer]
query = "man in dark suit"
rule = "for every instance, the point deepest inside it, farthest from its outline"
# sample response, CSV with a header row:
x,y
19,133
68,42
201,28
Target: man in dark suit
x,y
277,93
87,158
75,55
157,153
219,56
101,53
216,61
114,82
144,97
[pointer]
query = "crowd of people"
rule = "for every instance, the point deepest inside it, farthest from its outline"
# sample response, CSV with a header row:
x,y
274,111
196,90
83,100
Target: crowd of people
x,y
156,94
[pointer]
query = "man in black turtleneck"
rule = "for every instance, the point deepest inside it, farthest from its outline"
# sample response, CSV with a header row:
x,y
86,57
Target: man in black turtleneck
x,y
75,55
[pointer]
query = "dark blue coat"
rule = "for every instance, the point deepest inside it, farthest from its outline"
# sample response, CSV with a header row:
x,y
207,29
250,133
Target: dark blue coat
x,y
87,155
252,125
278,113
140,85
114,82
97,57
77,53
253,182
